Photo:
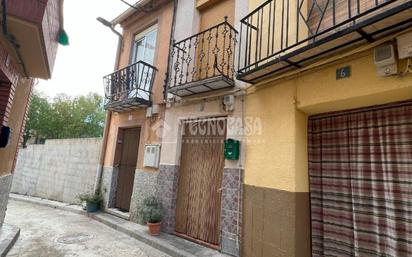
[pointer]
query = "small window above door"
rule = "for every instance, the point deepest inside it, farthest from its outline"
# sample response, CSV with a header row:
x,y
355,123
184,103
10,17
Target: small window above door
x,y
144,46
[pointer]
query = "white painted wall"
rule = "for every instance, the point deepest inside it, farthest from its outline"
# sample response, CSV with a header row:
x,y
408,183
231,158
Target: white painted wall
x,y
187,20
187,24
171,143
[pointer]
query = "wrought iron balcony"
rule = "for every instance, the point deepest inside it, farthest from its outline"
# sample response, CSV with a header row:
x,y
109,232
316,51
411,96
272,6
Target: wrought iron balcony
x,y
129,88
281,35
204,62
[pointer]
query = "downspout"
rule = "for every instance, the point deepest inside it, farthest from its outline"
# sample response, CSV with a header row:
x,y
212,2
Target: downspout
x,y
100,167
169,59
119,49
12,39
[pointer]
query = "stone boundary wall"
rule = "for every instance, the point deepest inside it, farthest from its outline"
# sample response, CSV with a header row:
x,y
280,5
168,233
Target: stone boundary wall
x,y
58,170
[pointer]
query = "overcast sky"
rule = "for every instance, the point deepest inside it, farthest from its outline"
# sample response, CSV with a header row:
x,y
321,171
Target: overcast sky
x,y
79,67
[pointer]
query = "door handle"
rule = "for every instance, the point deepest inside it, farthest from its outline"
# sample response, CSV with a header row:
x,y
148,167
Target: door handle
x,y
220,190
117,165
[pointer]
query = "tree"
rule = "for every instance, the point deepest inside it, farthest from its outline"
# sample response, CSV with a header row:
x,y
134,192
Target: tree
x,y
64,117
38,118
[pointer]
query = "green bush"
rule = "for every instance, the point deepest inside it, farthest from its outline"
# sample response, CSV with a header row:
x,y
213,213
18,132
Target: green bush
x,y
91,198
151,211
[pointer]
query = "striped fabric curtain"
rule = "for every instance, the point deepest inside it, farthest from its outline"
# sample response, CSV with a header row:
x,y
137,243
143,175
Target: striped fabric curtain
x,y
360,169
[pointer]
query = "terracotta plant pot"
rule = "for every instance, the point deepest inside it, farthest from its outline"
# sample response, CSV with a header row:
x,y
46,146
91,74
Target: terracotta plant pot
x,y
154,228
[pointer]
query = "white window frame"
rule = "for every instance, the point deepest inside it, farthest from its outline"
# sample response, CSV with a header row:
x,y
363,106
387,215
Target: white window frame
x,y
140,36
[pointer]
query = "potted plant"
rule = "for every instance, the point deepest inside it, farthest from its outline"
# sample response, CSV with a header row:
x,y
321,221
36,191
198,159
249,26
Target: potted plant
x,y
93,201
152,214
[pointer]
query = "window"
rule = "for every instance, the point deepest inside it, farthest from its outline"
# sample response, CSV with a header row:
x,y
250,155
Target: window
x,y
139,77
144,46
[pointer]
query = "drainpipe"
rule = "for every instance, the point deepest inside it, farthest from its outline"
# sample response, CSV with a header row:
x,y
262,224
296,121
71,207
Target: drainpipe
x,y
120,40
169,59
119,49
100,167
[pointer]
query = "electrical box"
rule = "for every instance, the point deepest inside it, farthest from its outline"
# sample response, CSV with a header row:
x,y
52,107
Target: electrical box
x,y
151,156
232,149
385,60
229,103
149,112
404,42
155,109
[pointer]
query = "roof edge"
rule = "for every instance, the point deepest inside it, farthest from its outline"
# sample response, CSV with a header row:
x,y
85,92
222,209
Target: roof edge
x,y
126,14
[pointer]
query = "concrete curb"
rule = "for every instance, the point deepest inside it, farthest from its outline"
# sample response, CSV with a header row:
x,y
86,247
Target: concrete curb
x,y
8,237
169,244
48,203
157,242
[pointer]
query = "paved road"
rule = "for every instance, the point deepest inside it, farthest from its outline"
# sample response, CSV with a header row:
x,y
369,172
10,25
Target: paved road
x,y
50,232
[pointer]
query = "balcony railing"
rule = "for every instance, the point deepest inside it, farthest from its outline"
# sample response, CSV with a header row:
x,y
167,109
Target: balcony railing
x,y
204,62
281,35
129,88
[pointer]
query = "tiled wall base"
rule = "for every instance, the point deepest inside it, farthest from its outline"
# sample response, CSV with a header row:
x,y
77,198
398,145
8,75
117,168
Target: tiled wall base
x,y
109,186
144,186
166,187
231,215
5,185
276,223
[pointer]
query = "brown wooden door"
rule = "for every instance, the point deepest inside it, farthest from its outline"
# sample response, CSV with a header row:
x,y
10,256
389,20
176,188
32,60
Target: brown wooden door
x,y
127,167
200,180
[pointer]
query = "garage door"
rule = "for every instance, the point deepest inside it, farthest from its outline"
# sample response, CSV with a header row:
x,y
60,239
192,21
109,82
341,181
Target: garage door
x,y
360,167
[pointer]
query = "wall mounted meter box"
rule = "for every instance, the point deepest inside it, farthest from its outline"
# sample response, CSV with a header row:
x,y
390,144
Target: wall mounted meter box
x,y
232,149
229,103
151,156
385,60
404,43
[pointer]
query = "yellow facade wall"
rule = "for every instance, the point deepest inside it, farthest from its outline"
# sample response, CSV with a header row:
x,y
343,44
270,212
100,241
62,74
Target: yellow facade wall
x,y
215,13
271,155
277,158
319,91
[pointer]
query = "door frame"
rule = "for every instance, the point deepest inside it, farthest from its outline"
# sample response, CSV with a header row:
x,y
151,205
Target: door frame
x,y
116,159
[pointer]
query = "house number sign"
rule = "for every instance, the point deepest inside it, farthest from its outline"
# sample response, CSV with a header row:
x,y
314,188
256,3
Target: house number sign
x,y
344,72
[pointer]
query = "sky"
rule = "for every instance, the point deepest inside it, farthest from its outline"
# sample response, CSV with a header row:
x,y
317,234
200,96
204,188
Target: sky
x,y
80,66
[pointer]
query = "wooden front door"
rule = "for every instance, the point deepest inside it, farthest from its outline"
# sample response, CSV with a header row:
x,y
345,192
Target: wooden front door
x,y
129,148
199,192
